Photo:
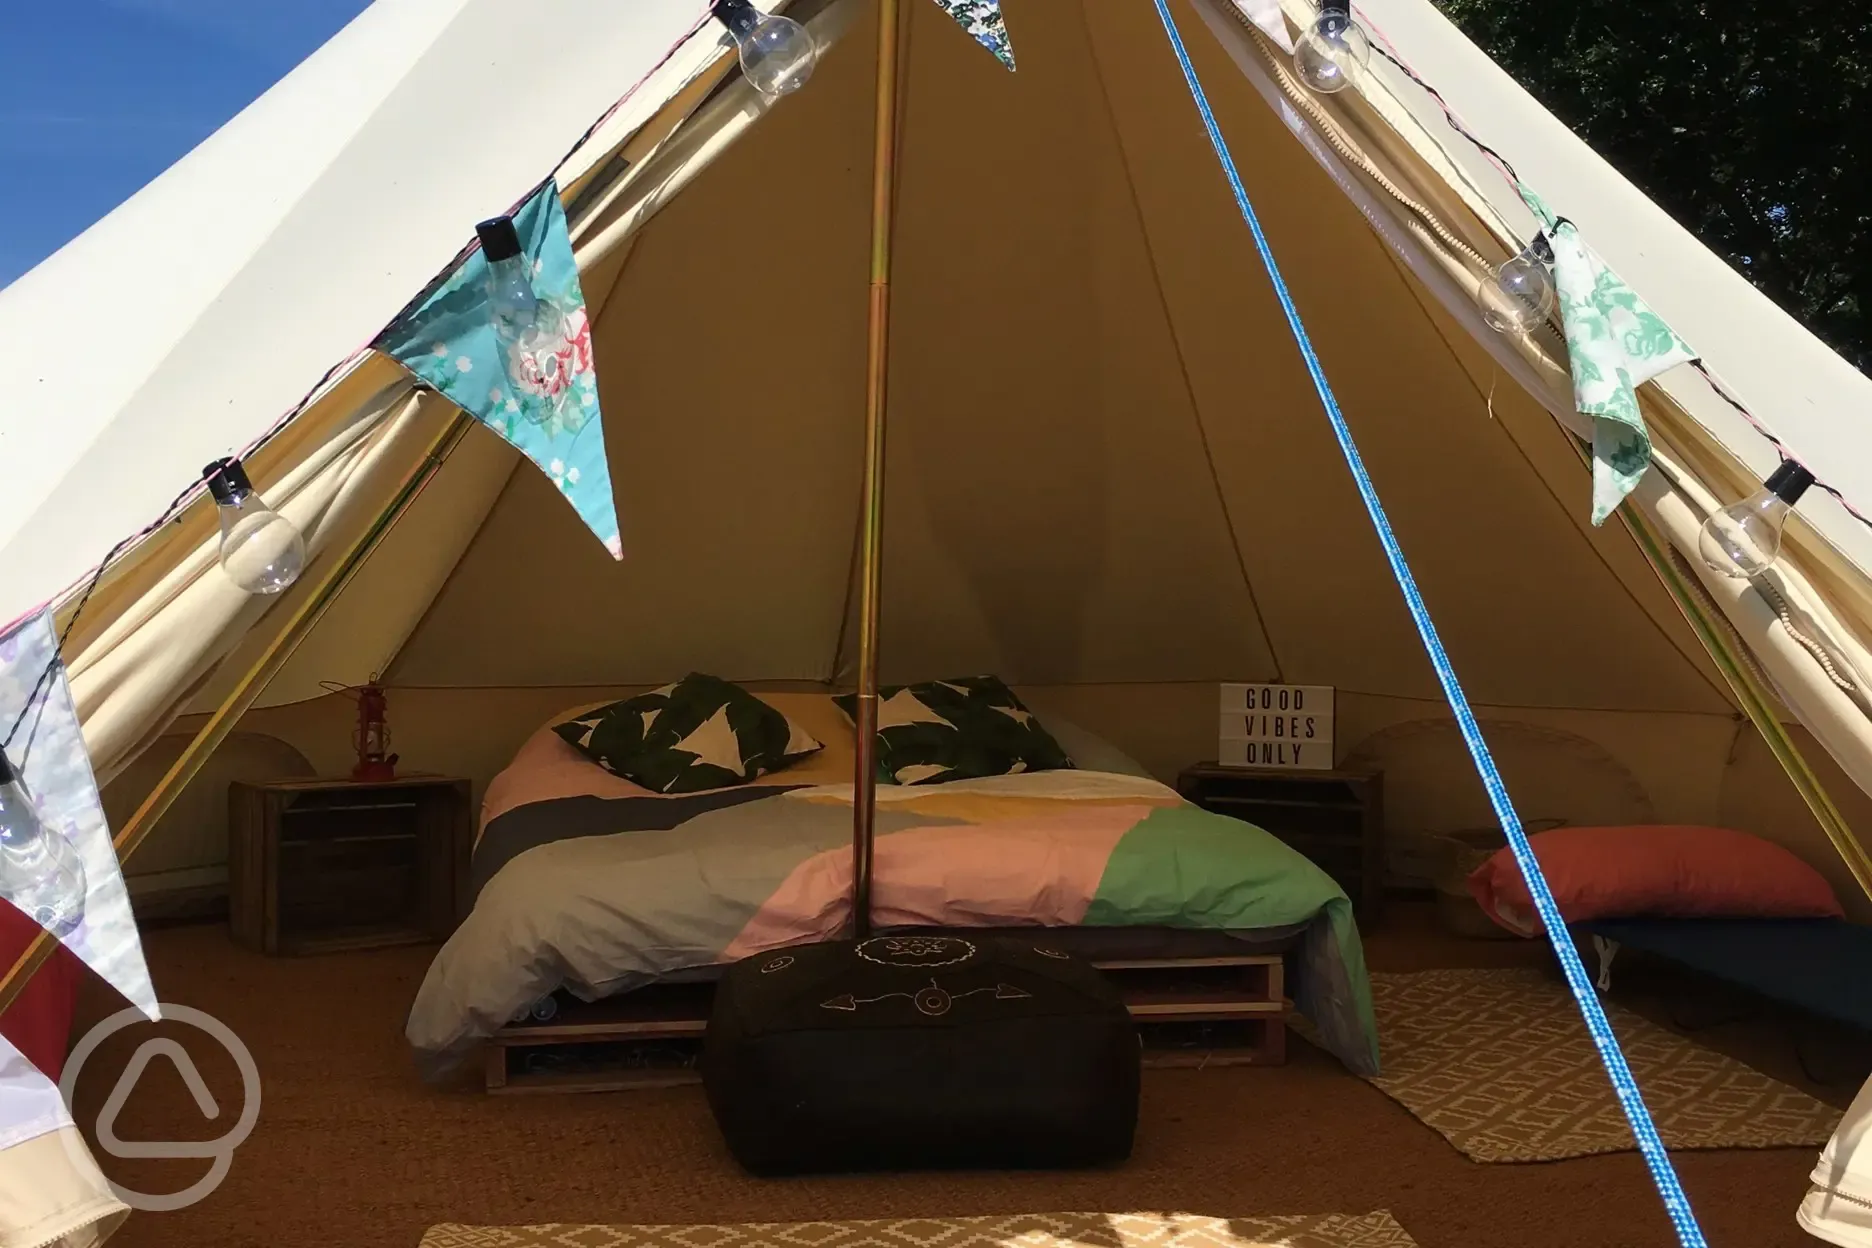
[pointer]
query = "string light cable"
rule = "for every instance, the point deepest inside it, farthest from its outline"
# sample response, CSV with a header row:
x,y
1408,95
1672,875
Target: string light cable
x,y
1518,298
1717,540
1383,46
206,484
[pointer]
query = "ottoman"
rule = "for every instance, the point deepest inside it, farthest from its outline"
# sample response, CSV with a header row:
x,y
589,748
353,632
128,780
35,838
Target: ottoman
x,y
921,1052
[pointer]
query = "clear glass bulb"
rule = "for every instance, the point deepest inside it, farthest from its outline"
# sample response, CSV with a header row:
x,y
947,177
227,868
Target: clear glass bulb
x,y
512,305
41,871
1332,53
1744,539
530,330
777,53
261,551
1519,295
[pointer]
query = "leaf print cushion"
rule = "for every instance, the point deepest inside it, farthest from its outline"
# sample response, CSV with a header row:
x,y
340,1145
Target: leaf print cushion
x,y
700,733
961,729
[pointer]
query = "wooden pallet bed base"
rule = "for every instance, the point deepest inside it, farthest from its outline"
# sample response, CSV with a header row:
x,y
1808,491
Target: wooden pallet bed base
x,y
1191,1012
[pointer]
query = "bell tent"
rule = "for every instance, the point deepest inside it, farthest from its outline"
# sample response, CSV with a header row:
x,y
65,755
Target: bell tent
x,y
1109,480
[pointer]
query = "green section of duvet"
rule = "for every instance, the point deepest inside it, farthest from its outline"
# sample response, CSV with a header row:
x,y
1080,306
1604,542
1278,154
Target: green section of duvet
x,y
1184,867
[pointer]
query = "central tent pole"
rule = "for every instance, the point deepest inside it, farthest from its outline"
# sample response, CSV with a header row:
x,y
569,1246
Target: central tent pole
x,y
870,557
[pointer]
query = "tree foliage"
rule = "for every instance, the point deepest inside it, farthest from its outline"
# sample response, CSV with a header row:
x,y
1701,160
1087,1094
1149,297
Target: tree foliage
x,y
1749,122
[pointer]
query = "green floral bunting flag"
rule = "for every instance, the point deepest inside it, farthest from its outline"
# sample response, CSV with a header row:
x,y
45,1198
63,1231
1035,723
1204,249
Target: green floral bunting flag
x,y
1615,343
984,23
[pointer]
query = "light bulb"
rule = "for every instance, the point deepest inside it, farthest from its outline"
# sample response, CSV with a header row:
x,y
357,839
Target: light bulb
x,y
777,53
529,329
1520,294
40,871
1744,539
513,307
1333,51
261,550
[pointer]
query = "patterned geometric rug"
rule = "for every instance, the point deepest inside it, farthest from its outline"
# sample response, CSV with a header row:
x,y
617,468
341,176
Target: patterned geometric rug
x,y
1031,1230
1500,1064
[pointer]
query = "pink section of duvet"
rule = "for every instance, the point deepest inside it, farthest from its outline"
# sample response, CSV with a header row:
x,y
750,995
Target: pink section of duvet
x,y
1015,872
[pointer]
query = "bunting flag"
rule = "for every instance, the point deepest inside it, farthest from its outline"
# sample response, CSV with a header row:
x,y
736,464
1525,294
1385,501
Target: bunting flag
x,y
984,23
541,393
1268,19
48,752
1615,343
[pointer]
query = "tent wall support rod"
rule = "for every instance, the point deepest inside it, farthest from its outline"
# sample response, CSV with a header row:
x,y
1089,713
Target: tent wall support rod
x,y
871,538
252,684
1738,671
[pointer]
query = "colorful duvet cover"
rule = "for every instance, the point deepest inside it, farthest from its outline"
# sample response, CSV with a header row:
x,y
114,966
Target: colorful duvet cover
x,y
599,894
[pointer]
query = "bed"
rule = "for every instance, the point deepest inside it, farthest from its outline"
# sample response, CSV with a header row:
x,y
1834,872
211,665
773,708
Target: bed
x,y
589,884
1816,965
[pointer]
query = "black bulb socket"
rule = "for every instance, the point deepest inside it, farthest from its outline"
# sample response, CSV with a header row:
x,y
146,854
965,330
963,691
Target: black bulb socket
x,y
227,481
1789,482
739,16
499,239
7,774
1335,15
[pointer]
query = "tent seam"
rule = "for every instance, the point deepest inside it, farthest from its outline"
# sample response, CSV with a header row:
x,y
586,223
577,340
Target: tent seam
x,y
1490,706
1176,341
1553,497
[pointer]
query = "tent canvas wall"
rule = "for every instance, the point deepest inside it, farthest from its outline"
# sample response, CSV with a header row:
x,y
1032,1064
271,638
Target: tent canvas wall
x,y
1109,481
1108,477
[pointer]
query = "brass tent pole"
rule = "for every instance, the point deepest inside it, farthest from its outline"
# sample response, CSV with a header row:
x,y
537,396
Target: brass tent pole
x,y
1755,700
877,366
251,684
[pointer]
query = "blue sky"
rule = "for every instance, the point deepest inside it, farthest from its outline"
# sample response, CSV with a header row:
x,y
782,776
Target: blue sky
x,y
99,96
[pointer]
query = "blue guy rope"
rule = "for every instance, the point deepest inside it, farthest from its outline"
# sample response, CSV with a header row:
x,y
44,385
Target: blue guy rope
x,y
1676,1204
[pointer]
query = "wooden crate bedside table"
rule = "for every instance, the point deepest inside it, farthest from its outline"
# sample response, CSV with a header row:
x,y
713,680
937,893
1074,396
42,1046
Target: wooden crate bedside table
x,y
316,866
1335,818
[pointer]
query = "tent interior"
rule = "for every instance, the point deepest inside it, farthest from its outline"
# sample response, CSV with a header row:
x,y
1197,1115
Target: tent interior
x,y
1108,478
1109,482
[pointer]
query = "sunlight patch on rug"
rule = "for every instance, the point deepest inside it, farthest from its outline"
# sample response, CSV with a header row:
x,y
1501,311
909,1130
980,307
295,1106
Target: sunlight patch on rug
x,y
1500,1064
1034,1230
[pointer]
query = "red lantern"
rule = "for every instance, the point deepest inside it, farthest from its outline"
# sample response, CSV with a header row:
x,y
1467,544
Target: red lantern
x,y
375,763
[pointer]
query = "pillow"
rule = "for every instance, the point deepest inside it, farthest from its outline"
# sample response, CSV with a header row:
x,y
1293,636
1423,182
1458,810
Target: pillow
x,y
1664,871
699,733
1091,752
961,729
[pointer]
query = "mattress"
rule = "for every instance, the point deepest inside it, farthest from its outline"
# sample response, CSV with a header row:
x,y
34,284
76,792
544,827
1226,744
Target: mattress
x,y
588,884
1815,964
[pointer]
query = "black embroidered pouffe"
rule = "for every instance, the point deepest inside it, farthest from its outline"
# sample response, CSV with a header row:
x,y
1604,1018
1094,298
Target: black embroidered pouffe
x,y
921,1052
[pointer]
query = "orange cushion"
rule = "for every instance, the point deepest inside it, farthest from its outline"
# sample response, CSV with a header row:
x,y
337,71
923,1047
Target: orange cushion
x,y
1664,870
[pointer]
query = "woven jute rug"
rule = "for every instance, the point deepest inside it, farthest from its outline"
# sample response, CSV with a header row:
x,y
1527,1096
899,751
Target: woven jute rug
x,y
1500,1064
1028,1230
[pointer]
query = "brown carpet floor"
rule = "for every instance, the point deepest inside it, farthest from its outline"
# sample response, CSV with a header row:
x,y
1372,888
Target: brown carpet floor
x,y
352,1149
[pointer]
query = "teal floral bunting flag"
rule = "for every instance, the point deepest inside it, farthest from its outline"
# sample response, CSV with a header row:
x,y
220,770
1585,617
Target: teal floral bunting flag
x,y
984,23
1615,344
507,338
